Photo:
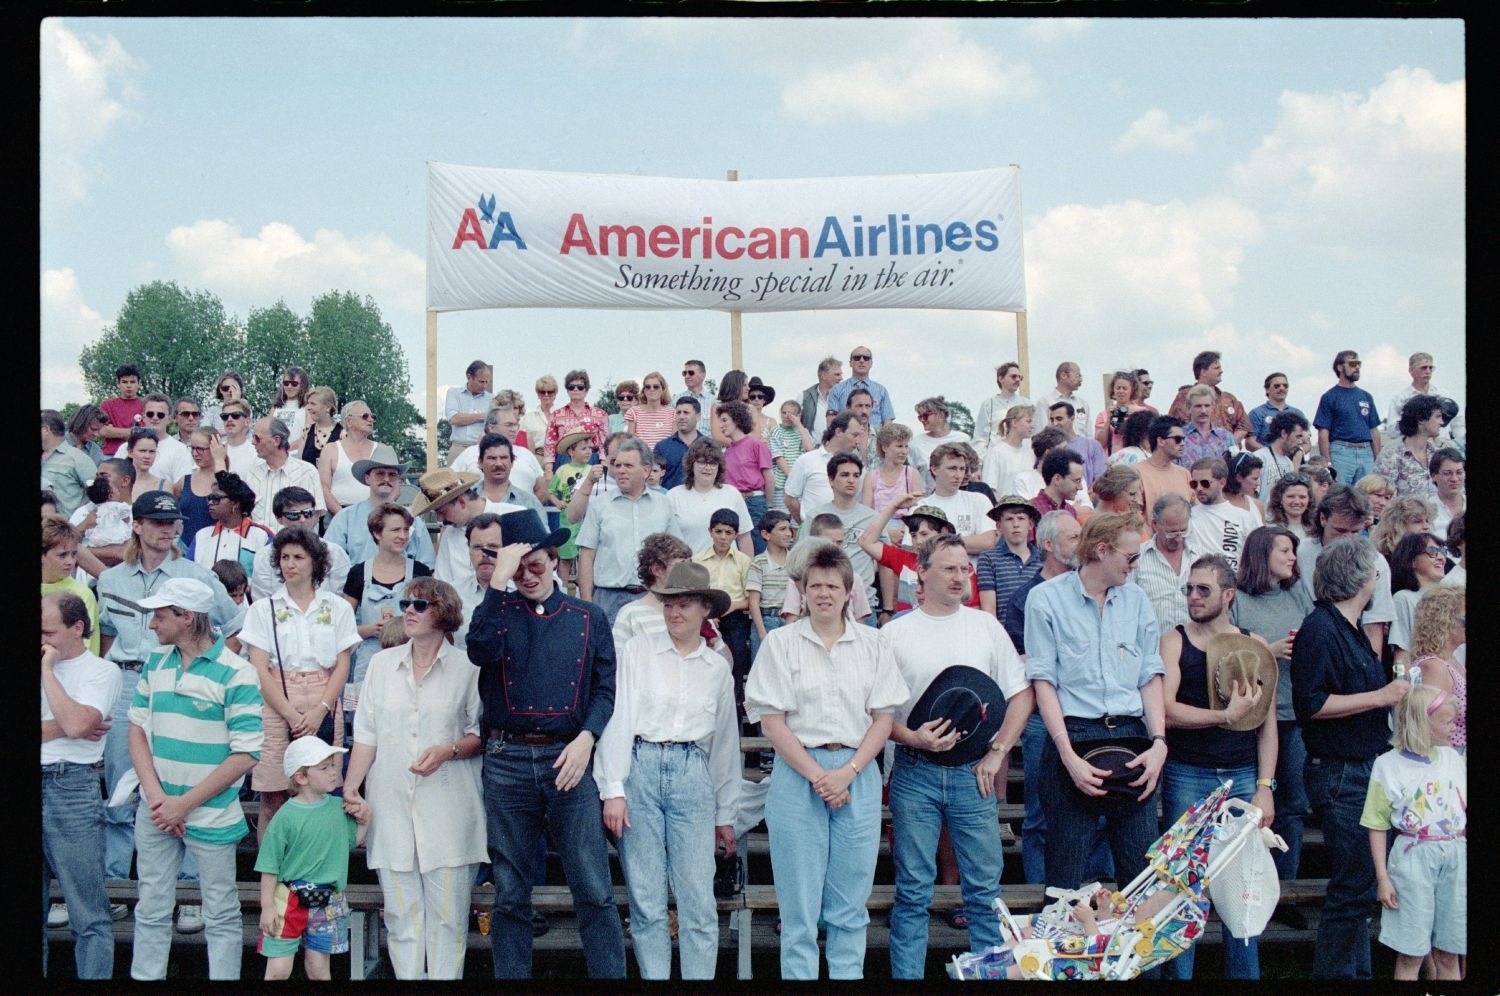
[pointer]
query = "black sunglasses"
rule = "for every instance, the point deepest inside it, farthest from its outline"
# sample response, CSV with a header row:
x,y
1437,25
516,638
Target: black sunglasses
x,y
861,356
215,499
306,513
230,415
757,396
578,387
420,604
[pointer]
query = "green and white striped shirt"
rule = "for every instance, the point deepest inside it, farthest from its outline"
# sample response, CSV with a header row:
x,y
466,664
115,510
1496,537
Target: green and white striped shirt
x,y
195,718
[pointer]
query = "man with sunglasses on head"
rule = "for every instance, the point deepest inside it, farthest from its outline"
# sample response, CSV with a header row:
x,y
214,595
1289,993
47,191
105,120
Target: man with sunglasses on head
x,y
294,506
860,361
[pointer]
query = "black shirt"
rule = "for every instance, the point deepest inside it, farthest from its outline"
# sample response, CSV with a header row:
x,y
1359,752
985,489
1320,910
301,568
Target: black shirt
x,y
1207,746
552,673
1333,657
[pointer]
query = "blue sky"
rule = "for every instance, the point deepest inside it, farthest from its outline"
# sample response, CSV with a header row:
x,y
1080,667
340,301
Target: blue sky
x,y
1275,189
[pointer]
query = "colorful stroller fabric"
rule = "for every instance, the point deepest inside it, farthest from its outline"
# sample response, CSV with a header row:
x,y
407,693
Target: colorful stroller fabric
x,y
1139,932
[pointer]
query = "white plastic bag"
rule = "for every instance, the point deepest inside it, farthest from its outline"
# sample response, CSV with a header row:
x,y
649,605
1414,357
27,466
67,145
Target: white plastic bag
x,y
1244,888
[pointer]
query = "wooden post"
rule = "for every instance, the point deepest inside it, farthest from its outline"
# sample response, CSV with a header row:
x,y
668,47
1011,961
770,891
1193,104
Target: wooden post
x,y
1023,355
432,450
736,340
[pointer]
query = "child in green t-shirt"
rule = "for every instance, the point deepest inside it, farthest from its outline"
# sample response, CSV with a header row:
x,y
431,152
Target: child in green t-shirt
x,y
579,446
304,865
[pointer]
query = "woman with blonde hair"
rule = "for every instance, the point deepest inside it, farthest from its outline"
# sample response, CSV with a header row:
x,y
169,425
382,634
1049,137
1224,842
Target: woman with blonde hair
x,y
651,420
1439,635
1401,517
1118,489
336,463
1380,491
320,428
1010,455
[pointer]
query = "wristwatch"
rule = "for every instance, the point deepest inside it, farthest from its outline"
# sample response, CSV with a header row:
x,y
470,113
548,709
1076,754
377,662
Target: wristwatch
x,y
1269,783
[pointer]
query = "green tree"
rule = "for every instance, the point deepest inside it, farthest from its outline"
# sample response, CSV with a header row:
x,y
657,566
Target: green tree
x,y
178,338
353,350
960,418
275,338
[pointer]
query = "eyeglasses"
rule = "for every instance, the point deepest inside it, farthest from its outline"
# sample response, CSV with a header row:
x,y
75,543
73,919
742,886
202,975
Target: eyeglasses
x,y
1177,533
1354,363
1130,558
689,373
199,449
290,383
923,416
860,356
1435,551
624,397
1146,383
367,416
1175,439
578,387
546,394
537,567
191,414
1201,590
306,513
420,604
757,396
1201,484
233,415
215,499
153,415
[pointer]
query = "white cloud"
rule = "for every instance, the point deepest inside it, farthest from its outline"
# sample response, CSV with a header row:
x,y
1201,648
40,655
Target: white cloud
x,y
933,67
1046,29
1154,130
1372,171
279,262
68,324
88,86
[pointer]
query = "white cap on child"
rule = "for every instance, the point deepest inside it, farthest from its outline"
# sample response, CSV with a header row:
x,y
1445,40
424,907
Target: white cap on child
x,y
304,752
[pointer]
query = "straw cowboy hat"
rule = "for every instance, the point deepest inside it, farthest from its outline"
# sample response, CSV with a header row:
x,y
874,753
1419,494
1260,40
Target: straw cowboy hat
x,y
441,486
1235,657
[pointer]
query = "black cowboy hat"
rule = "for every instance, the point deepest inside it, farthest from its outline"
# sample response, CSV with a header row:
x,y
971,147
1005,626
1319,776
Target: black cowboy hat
x,y
971,701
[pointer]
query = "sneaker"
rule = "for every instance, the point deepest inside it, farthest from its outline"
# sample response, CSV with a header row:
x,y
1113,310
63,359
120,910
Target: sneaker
x,y
118,911
57,916
189,919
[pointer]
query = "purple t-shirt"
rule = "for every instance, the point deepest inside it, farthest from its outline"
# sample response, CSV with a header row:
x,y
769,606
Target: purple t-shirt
x,y
745,461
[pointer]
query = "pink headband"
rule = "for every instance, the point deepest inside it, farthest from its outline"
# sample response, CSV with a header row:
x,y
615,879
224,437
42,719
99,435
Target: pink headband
x,y
1437,702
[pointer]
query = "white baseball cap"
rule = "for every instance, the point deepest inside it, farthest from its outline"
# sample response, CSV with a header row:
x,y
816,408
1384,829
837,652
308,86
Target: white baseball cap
x,y
304,752
183,593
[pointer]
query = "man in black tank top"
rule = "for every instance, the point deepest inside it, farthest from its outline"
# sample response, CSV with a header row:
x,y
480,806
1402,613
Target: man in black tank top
x,y
1202,752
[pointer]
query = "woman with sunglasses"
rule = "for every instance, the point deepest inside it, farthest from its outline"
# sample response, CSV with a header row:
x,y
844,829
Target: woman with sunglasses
x,y
372,587
193,490
232,535
627,392
321,428
336,463
140,450
651,420
1417,566
229,387
415,771
1291,507
291,401
575,416
299,640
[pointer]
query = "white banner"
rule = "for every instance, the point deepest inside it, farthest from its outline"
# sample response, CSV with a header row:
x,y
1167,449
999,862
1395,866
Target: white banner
x,y
501,238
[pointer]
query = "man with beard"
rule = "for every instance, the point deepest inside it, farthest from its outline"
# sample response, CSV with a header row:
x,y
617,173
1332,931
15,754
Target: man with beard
x,y
1347,423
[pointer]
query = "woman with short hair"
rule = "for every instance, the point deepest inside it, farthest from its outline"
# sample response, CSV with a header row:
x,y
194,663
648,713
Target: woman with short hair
x,y
1401,517
702,493
1379,490
415,771
233,535
575,416
336,462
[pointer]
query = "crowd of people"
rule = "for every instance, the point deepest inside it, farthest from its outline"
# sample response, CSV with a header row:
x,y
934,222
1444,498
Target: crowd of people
x,y
239,604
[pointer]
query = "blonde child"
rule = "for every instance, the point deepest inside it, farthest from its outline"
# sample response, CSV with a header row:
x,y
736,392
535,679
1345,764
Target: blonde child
x,y
304,865
1419,790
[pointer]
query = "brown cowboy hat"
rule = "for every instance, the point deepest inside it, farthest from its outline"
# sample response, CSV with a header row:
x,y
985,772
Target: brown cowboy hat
x,y
441,486
1235,657
688,578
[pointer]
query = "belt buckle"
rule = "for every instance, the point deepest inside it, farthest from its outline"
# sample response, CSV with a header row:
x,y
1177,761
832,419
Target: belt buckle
x,y
1109,722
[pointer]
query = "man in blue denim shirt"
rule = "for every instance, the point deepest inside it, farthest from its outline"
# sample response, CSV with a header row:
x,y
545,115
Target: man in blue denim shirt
x,y
1094,663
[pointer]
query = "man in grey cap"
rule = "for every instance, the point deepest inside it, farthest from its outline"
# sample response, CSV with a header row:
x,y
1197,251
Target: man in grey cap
x,y
125,638
350,529
202,701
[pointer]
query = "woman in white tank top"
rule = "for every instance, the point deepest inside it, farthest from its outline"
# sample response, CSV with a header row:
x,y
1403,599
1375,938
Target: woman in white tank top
x,y
337,460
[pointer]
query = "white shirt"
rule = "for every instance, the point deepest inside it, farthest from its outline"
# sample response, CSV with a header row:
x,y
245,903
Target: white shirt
x,y
1002,462
471,594
1392,416
1220,528
228,544
437,819
524,468
265,482
662,695
925,645
453,564
240,456
693,510
1083,423
264,579
808,481
90,681
174,460
826,698
967,510
1382,608
308,641
1459,575
919,452
1153,574
987,423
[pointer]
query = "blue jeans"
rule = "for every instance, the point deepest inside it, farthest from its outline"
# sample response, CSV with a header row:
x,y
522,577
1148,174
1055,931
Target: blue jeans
x,y
1351,461
119,826
823,862
1291,798
1181,786
1034,824
158,858
73,851
771,619
521,801
1073,819
612,600
923,797
756,506
670,796
1336,789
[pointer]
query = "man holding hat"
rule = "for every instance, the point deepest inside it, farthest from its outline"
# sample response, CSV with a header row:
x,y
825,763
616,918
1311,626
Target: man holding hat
x,y
349,530
195,731
547,677
450,496
1220,692
951,749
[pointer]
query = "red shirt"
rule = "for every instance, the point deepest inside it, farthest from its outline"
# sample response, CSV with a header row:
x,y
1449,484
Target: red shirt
x,y
899,559
123,413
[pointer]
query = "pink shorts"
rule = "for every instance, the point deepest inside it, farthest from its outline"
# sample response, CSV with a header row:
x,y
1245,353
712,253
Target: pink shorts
x,y
305,689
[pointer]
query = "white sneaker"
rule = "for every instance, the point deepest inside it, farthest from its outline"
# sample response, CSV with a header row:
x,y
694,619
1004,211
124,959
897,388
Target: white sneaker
x,y
118,911
189,919
57,916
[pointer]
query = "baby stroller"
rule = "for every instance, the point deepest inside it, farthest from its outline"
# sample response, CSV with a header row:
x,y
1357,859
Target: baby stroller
x,y
1156,917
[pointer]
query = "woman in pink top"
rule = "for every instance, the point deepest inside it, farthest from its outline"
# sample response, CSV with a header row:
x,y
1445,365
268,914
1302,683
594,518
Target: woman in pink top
x,y
747,464
651,420
1440,628
575,416
1124,392
894,479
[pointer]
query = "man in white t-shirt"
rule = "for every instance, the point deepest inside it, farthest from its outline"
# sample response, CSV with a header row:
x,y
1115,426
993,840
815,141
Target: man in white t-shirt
x,y
807,486
967,510
925,794
1214,525
525,471
78,690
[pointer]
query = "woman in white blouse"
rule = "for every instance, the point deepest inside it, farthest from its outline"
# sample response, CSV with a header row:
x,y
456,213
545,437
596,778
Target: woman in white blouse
x,y
702,493
416,756
299,640
825,690
668,767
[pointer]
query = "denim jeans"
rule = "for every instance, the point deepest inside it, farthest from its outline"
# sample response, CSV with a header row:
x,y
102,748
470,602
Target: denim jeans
x,y
1336,789
823,862
158,858
737,629
119,826
924,796
1291,798
73,851
1181,786
771,619
1351,462
1034,824
612,600
670,796
521,801
1073,819
756,506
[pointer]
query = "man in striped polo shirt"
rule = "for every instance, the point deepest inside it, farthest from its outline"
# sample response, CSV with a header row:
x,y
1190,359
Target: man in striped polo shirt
x,y
195,731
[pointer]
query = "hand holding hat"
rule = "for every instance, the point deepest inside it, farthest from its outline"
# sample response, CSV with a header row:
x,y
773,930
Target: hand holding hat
x,y
1242,678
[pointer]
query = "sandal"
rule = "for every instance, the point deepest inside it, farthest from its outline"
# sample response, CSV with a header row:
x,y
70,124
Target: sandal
x,y
957,918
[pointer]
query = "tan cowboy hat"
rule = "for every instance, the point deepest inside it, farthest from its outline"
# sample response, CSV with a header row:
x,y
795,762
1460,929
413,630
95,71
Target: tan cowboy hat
x,y
688,578
1235,657
571,440
441,486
